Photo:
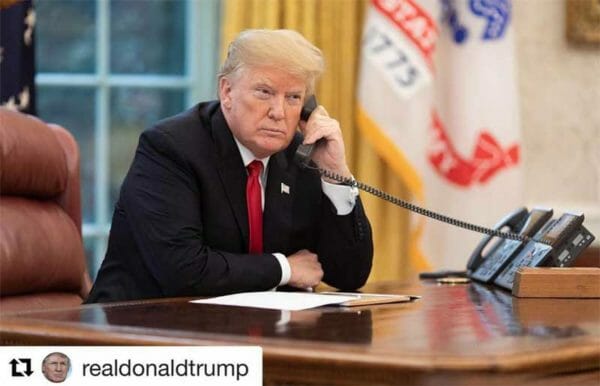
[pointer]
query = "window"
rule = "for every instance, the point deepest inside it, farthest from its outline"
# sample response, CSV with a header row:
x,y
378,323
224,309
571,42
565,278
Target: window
x,y
108,69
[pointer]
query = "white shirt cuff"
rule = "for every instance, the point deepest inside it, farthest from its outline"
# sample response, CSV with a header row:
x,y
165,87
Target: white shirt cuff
x,y
343,197
286,271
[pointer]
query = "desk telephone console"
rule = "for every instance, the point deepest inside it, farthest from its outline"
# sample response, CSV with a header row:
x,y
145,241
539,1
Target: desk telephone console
x,y
521,239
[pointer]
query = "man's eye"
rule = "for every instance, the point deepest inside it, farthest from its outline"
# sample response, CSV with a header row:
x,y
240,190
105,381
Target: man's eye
x,y
262,92
294,99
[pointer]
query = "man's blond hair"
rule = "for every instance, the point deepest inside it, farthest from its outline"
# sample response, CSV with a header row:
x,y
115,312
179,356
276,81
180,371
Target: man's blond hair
x,y
63,356
283,48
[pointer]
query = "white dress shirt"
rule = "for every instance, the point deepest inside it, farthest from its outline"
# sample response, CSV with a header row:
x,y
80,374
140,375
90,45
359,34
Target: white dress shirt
x,y
343,197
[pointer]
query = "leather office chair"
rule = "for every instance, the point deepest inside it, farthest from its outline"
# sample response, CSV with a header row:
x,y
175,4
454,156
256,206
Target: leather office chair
x,y
42,261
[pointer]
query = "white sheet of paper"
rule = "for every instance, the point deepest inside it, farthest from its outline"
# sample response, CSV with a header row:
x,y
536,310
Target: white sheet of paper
x,y
290,301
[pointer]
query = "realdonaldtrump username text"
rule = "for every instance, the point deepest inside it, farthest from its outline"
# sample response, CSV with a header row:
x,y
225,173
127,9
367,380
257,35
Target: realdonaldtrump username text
x,y
171,368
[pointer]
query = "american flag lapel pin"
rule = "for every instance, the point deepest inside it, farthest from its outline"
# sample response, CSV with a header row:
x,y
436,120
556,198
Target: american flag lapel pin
x,y
285,188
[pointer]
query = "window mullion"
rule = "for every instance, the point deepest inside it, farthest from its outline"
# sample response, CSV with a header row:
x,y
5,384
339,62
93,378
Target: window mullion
x,y
102,126
202,37
177,82
66,79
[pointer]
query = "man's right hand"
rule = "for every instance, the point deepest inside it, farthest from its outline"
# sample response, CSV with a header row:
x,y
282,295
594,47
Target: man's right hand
x,y
306,271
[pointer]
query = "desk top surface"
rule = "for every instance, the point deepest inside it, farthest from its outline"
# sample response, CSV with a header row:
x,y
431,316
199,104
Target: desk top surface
x,y
460,327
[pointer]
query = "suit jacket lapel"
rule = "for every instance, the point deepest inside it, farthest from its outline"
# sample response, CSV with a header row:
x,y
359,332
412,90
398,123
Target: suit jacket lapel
x,y
231,171
277,215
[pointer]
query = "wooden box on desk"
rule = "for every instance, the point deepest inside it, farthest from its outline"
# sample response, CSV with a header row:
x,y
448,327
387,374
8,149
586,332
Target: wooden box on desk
x,y
580,282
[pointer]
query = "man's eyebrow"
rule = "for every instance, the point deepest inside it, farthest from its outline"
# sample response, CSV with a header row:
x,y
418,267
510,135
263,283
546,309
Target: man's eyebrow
x,y
262,82
267,84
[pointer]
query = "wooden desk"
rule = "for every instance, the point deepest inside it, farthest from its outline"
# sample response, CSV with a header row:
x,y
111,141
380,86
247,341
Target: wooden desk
x,y
463,334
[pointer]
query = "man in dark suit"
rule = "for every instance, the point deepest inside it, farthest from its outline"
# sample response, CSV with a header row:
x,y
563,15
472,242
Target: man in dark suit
x,y
192,220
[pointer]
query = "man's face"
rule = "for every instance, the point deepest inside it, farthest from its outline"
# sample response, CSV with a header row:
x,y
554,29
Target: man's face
x,y
55,368
262,107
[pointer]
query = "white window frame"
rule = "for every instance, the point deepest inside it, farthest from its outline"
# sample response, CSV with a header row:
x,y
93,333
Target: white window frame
x,y
198,82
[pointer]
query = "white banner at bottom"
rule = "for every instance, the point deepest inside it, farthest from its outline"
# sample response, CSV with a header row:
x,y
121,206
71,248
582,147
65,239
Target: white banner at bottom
x,y
118,365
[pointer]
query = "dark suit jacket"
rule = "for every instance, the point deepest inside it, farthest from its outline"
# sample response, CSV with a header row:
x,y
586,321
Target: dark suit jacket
x,y
180,225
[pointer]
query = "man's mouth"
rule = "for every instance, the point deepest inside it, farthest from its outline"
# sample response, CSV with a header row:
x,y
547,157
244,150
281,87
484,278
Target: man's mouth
x,y
273,132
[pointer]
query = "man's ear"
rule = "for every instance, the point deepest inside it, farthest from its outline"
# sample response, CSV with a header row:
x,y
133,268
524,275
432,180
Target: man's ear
x,y
225,92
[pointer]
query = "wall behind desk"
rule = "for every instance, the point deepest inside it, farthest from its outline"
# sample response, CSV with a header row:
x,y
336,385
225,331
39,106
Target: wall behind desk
x,y
559,84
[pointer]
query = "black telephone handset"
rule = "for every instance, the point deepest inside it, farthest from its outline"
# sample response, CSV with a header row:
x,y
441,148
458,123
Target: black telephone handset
x,y
511,221
309,106
533,239
486,267
304,152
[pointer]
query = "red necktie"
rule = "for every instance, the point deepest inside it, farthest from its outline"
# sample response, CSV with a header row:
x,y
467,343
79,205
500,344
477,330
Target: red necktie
x,y
254,203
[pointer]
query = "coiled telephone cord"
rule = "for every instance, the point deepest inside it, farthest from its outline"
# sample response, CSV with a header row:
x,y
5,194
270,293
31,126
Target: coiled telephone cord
x,y
422,211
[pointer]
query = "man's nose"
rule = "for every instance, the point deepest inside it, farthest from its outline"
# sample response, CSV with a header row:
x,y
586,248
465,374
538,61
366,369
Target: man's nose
x,y
60,367
277,109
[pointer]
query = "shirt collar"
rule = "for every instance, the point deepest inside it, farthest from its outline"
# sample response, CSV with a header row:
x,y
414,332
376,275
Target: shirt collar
x,y
248,157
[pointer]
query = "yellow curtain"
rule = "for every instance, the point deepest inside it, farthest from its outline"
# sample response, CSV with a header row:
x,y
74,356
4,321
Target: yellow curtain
x,y
335,26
